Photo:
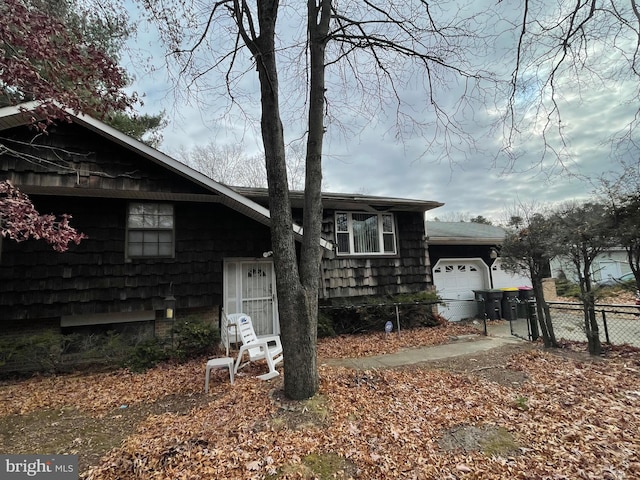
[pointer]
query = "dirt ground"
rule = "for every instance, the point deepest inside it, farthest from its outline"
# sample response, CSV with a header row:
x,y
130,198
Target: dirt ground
x,y
67,430
490,365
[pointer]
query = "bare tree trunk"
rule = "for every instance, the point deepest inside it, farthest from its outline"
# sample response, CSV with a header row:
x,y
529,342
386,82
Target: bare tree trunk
x,y
591,325
544,316
296,306
297,286
301,378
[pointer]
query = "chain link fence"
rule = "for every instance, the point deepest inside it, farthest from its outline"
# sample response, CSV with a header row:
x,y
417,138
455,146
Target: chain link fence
x,y
487,308
617,324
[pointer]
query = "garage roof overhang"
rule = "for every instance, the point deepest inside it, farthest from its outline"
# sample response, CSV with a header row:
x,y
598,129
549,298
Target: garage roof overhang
x,y
463,233
464,241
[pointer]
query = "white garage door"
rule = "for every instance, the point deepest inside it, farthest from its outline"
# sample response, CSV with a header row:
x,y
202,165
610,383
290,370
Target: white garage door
x,y
455,281
504,279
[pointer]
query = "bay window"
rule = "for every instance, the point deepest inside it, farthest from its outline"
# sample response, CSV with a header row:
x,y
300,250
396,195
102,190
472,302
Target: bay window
x,y
365,233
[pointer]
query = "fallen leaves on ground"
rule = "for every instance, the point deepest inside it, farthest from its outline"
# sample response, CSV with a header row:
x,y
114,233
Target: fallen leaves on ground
x,y
573,418
380,343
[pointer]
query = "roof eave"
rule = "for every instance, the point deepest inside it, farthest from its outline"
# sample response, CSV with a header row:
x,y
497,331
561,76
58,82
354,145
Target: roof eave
x,y
15,116
464,241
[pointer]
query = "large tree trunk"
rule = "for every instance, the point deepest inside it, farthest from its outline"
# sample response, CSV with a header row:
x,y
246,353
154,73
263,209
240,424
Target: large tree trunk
x,y
296,306
300,338
297,287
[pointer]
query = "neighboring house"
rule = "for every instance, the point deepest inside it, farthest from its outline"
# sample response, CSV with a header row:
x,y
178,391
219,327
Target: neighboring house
x,y
613,263
158,230
465,257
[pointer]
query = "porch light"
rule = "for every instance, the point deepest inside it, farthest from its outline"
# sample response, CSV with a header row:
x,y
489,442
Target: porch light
x,y
169,307
493,253
170,304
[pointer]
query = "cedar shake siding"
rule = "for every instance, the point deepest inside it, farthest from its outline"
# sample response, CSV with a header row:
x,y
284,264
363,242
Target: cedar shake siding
x,y
95,185
408,271
94,277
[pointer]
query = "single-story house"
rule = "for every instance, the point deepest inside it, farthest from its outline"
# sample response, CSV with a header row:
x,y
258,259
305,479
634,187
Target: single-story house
x,y
159,230
612,263
465,257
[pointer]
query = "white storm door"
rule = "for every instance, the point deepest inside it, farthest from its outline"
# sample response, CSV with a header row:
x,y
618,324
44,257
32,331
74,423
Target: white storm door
x,y
250,287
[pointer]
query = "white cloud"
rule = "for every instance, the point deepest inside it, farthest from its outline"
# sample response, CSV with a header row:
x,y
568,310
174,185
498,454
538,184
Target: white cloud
x,y
479,181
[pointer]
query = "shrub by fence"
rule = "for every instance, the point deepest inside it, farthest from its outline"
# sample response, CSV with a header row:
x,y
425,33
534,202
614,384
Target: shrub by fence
x,y
404,311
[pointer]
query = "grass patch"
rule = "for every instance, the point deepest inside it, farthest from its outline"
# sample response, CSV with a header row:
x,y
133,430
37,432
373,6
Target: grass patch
x,y
499,443
318,466
488,439
299,415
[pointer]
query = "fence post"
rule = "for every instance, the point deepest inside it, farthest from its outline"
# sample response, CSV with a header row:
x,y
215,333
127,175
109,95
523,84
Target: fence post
x,y
484,320
606,328
533,321
482,310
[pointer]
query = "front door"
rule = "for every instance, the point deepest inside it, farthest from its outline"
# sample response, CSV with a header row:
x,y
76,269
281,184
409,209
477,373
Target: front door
x,y
250,287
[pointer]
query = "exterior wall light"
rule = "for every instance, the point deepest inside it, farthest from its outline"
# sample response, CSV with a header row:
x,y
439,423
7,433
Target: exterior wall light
x,y
169,307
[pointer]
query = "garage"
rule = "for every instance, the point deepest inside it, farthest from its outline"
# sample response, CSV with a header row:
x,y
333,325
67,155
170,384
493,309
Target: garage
x,y
455,281
502,278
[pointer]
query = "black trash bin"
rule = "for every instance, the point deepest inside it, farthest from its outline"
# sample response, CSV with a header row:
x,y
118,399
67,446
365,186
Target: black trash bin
x,y
481,297
525,295
510,303
493,304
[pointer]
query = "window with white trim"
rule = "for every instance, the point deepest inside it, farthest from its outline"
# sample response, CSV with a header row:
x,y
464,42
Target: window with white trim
x,y
365,233
150,231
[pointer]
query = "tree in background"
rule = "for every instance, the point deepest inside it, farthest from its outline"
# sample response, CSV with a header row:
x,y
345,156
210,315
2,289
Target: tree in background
x,y
480,219
528,246
64,53
626,218
145,128
230,165
226,164
622,196
581,233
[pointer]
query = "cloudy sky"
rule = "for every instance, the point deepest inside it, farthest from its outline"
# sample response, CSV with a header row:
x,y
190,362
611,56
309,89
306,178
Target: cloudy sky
x,y
470,174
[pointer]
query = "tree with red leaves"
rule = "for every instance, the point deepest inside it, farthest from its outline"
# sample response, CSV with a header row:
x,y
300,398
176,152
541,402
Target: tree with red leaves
x,y
45,60
19,221
63,66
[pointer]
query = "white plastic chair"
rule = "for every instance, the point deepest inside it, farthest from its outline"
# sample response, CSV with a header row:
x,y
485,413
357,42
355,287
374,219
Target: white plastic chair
x,y
268,348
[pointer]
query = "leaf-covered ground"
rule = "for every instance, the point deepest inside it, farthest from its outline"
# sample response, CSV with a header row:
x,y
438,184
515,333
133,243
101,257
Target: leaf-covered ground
x,y
564,416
